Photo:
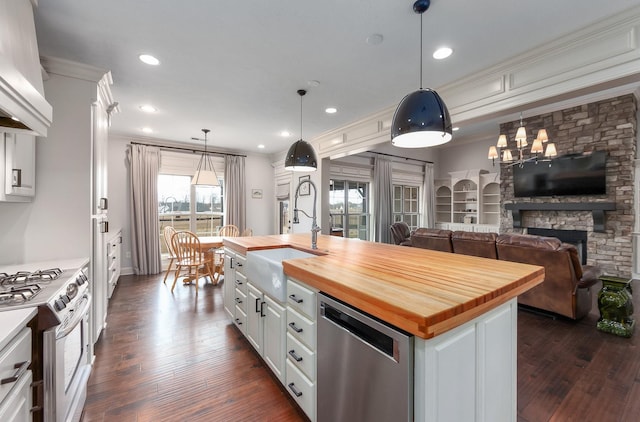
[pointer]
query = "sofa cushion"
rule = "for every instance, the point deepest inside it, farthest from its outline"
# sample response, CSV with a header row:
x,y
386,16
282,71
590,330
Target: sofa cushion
x,y
434,239
476,244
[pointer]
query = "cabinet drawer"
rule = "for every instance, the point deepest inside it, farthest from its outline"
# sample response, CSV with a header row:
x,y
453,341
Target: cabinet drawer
x,y
301,298
16,407
14,357
239,264
301,328
241,282
241,319
301,357
302,390
241,300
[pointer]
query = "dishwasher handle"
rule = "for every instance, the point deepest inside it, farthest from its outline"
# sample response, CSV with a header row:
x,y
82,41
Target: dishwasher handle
x,y
380,341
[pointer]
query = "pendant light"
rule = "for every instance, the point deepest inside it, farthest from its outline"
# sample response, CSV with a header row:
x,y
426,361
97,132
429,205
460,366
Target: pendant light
x,y
421,119
205,173
301,155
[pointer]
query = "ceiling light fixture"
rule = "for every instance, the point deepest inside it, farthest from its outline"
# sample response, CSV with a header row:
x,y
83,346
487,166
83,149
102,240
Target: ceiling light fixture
x,y
301,156
330,110
521,142
205,173
442,53
149,59
147,108
421,119
147,130
285,133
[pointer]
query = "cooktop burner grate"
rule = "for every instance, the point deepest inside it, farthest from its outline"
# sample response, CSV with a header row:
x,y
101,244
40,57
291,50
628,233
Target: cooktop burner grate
x,y
27,277
19,294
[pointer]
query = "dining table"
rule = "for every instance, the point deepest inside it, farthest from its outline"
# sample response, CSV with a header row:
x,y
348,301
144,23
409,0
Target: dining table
x,y
210,242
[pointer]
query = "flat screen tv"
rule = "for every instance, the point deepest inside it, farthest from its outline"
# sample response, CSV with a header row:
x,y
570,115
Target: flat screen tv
x,y
573,174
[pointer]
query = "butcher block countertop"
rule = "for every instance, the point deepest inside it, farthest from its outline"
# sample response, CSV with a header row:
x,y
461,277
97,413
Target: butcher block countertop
x,y
423,292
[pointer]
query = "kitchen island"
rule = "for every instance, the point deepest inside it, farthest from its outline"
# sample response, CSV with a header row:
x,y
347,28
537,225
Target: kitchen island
x,y
461,309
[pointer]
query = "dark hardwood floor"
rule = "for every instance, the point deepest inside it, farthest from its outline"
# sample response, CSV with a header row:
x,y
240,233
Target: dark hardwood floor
x,y
167,357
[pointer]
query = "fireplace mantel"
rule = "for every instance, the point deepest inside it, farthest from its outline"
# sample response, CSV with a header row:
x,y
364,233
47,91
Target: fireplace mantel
x,y
597,210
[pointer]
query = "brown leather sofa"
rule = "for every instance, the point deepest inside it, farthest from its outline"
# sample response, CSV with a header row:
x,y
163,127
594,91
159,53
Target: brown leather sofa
x,y
566,287
434,239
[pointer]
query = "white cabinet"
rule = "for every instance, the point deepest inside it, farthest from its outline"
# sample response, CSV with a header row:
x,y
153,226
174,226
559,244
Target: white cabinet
x,y
18,164
301,345
266,321
114,249
15,387
235,289
469,372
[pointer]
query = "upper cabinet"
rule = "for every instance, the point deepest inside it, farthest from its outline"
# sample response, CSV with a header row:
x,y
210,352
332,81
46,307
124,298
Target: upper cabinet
x,y
21,87
17,167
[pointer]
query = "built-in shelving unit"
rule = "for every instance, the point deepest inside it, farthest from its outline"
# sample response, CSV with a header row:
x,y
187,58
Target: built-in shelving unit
x,y
469,200
443,201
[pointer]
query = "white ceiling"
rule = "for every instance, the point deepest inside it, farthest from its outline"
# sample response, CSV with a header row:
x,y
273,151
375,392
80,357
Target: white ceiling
x,y
234,66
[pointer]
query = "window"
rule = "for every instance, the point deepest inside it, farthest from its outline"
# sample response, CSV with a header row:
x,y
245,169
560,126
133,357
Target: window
x,y
406,205
188,207
349,208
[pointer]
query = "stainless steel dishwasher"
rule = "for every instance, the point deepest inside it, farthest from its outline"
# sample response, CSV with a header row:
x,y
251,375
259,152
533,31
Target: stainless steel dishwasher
x,y
365,366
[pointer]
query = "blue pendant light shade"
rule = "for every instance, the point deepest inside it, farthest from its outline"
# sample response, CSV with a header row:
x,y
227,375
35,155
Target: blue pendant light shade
x,y
421,119
301,155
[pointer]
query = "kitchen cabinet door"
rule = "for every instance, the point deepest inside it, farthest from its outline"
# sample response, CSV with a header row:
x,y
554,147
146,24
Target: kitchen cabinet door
x,y
19,163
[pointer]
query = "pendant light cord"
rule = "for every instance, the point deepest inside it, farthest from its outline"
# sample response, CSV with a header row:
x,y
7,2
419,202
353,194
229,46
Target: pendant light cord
x,y
421,50
301,117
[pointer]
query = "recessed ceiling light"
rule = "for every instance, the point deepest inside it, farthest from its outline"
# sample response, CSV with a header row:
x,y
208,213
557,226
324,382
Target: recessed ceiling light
x,y
455,128
149,59
148,108
330,110
375,39
147,130
261,146
285,133
442,53
15,119
313,83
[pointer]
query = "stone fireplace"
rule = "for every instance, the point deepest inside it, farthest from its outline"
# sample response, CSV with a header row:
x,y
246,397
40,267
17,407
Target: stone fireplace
x,y
607,221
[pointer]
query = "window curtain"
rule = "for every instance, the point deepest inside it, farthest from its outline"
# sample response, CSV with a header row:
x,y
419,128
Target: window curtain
x,y
235,203
144,164
383,206
428,198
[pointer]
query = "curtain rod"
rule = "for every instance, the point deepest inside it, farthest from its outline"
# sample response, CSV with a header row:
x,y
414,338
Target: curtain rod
x,y
193,150
398,156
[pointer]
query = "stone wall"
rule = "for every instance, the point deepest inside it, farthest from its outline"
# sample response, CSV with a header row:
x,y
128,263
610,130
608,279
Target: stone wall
x,y
608,125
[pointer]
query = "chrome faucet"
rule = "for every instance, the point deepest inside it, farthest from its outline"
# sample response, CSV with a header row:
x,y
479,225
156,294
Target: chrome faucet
x,y
314,226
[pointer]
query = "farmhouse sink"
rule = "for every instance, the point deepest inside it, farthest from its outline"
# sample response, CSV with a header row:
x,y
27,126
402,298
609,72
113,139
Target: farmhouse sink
x,y
264,270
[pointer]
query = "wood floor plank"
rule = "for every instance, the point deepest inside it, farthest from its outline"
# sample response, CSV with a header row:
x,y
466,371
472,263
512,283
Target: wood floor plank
x,y
165,357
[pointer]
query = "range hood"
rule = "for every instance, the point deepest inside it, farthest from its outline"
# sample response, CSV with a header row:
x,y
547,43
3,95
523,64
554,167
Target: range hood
x,y
22,107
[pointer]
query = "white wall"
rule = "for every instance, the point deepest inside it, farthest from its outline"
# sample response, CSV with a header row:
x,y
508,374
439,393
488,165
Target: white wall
x,y
464,157
260,212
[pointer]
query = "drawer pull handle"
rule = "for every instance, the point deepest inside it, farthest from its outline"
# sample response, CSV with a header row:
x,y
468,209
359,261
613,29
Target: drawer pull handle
x,y
258,307
295,357
262,309
295,299
293,389
21,369
239,283
238,321
238,300
294,328
238,264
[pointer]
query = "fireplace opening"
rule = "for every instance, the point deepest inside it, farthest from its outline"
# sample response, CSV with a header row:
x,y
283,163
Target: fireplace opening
x,y
577,238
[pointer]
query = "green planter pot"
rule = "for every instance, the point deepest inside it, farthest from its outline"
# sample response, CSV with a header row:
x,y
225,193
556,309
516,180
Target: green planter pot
x,y
616,307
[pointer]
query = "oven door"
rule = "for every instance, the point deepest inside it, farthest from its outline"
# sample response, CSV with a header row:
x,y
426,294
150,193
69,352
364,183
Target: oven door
x,y
67,365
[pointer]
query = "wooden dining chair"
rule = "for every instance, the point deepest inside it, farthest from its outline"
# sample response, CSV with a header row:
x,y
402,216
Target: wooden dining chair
x,y
229,231
167,234
247,232
189,256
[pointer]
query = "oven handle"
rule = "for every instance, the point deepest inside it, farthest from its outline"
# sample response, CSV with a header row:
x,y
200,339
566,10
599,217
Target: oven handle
x,y
78,316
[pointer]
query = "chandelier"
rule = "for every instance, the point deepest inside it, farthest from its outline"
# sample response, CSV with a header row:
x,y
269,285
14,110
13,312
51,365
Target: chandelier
x,y
537,147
